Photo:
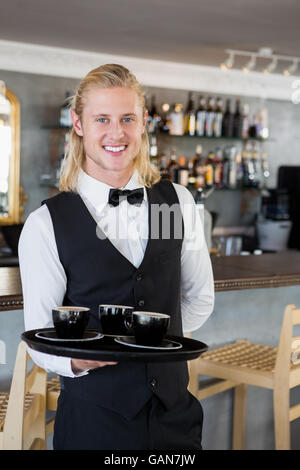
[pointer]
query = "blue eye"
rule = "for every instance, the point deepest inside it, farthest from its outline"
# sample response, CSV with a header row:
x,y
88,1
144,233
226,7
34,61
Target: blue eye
x,y
128,119
101,119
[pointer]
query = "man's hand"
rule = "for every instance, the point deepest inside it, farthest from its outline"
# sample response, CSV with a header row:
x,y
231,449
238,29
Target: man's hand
x,y
78,365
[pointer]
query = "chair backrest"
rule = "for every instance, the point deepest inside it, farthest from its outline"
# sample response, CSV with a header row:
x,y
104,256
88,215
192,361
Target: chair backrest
x,y
289,346
25,420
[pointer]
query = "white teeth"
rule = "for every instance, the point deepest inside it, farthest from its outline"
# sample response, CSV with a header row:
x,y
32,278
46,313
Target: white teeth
x,y
115,149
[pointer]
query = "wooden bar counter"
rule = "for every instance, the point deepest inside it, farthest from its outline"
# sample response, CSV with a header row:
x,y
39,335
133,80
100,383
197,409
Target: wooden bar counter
x,y
256,272
230,273
10,289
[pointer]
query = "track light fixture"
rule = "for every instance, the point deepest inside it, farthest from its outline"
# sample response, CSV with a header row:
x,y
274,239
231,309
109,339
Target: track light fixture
x,y
250,65
263,54
272,66
228,62
292,68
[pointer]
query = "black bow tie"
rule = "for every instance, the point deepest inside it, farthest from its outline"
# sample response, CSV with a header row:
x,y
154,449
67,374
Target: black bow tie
x,y
135,196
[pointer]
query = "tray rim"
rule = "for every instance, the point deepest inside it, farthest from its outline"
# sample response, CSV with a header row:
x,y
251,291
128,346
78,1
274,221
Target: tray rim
x,y
122,353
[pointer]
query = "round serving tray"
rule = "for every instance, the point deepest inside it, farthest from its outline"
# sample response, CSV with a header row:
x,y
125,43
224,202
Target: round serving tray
x,y
106,349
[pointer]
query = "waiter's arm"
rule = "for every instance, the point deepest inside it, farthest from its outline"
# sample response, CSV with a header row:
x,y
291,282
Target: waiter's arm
x,y
44,285
197,283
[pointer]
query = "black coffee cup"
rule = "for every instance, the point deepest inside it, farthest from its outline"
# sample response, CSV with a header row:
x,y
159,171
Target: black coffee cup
x,y
70,322
115,320
150,328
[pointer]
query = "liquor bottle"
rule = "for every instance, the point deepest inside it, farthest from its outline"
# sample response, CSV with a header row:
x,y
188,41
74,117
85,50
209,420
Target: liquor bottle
x,y
225,175
192,178
264,133
232,173
237,120
201,117
190,116
164,124
164,168
264,170
253,127
182,172
153,151
239,170
173,165
65,112
227,124
218,118
176,120
218,168
256,166
199,168
248,170
209,170
245,121
210,114
154,117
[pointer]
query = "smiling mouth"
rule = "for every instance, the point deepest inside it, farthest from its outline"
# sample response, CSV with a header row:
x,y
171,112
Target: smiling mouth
x,y
115,149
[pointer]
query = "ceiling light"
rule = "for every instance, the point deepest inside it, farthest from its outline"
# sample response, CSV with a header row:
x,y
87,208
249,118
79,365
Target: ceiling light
x,y
250,65
263,53
292,68
272,66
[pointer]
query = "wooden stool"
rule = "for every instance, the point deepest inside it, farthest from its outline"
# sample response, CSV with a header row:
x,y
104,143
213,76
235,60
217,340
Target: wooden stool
x,y
244,363
22,411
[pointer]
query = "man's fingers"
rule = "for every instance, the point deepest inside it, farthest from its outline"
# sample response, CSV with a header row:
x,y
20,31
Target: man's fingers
x,y
99,363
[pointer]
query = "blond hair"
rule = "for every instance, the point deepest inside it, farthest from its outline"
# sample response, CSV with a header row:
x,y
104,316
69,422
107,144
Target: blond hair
x,y
105,76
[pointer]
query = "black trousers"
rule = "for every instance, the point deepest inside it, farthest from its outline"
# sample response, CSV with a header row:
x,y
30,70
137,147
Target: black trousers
x,y
80,425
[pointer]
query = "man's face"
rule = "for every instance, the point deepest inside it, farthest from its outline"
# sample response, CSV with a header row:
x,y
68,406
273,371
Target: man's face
x,y
111,126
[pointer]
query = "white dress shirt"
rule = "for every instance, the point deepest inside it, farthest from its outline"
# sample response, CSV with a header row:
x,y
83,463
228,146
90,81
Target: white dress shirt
x,y
44,279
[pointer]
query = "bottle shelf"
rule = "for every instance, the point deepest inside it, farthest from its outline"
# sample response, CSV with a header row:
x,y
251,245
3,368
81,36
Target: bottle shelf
x,y
187,136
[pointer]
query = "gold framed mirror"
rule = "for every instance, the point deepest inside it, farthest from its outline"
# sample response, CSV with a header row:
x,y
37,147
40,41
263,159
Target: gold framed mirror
x,y
10,209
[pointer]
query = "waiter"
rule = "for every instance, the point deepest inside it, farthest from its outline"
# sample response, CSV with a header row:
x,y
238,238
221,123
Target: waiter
x,y
92,244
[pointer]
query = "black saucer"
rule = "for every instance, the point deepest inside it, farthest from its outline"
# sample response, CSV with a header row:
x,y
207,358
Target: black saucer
x,y
165,344
50,335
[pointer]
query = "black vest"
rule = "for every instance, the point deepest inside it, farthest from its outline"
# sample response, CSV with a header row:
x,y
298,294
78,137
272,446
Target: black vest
x,y
97,273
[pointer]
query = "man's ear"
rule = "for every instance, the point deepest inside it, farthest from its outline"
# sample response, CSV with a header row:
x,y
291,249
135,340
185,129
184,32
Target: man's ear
x,y
146,114
76,123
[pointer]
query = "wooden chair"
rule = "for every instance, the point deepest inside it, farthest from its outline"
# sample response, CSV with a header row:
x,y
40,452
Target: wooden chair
x,y
23,410
243,363
53,391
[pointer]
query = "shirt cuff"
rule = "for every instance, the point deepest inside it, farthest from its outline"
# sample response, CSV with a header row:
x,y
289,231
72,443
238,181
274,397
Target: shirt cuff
x,y
56,364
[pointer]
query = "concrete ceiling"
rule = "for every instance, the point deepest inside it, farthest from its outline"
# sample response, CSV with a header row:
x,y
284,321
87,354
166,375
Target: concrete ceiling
x,y
189,31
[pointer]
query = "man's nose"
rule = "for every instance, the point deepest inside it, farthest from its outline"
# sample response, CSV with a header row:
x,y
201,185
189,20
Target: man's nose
x,y
116,129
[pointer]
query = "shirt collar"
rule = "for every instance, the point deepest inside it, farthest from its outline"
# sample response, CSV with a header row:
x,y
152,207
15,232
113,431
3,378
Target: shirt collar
x,y
96,192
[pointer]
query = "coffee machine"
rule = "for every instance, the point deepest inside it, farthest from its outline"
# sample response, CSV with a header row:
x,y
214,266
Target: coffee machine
x,y
273,223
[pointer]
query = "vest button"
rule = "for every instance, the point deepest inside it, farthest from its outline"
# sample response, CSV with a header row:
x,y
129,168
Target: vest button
x,y
153,383
141,303
139,277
